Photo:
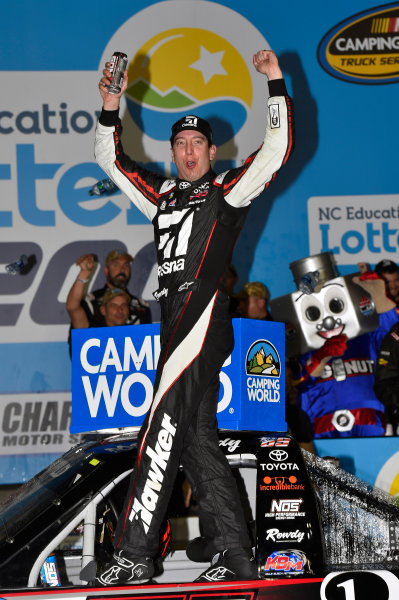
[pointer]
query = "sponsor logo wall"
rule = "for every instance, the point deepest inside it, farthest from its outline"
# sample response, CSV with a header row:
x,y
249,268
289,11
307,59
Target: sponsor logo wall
x,y
338,192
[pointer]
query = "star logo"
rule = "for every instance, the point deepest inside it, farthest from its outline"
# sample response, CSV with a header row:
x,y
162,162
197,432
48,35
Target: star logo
x,y
209,64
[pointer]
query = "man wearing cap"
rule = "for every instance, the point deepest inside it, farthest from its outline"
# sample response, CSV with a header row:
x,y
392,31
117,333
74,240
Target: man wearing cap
x,y
256,296
389,272
197,217
114,308
117,273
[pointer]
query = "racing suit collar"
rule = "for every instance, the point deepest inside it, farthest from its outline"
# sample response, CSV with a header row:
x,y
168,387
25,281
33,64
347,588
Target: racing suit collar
x,y
182,184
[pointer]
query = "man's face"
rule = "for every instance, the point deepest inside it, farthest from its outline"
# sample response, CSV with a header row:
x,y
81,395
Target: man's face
x,y
117,272
192,155
116,311
255,307
392,285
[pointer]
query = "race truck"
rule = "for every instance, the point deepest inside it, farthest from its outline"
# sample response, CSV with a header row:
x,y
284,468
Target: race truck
x,y
318,532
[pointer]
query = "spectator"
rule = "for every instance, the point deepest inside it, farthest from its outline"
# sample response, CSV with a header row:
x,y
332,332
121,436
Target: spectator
x,y
389,272
256,295
114,307
117,273
386,384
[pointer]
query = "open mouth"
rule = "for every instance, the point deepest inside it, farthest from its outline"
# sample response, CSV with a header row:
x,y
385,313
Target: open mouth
x,y
332,332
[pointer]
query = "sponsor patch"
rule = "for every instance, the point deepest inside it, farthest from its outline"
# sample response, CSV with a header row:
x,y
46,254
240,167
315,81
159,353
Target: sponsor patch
x,y
279,466
171,266
274,114
275,535
280,484
286,561
278,455
263,359
285,508
274,442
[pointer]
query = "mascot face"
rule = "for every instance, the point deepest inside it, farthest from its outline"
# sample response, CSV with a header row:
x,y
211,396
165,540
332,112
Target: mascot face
x,y
326,313
338,306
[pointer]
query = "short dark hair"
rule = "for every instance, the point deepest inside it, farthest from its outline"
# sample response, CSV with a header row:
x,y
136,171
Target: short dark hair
x,y
386,266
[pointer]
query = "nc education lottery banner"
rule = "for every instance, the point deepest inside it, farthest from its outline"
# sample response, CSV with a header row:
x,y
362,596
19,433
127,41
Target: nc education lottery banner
x,y
338,192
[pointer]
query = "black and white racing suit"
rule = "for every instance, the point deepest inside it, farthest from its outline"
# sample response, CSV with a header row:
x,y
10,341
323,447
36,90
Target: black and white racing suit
x,y
195,225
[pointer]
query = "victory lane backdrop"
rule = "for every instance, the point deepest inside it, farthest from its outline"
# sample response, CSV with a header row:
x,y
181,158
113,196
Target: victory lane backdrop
x,y
338,192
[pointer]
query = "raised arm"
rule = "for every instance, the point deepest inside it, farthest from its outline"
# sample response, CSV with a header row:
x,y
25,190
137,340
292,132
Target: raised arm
x,y
243,184
76,313
141,186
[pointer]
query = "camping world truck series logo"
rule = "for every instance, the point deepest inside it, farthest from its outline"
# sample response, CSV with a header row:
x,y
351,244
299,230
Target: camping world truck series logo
x,y
364,48
263,368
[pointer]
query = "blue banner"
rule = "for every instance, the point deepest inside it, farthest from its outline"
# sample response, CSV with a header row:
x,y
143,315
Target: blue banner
x,y
113,373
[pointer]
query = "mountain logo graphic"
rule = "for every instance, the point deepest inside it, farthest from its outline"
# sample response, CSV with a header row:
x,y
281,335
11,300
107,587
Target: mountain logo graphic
x,y
188,70
263,359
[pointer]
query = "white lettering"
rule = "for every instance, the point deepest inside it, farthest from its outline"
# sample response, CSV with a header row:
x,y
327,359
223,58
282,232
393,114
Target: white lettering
x,y
231,444
131,409
276,535
111,357
89,368
227,391
138,509
280,467
263,382
263,395
130,354
171,267
102,389
286,505
159,461
367,44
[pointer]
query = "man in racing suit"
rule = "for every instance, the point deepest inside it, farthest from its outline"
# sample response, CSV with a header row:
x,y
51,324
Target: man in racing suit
x,y
197,218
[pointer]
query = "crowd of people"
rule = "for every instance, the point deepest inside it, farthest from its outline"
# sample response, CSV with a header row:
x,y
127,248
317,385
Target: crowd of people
x,y
318,402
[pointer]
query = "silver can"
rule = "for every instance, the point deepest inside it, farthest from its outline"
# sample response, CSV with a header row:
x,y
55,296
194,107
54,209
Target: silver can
x,y
117,69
